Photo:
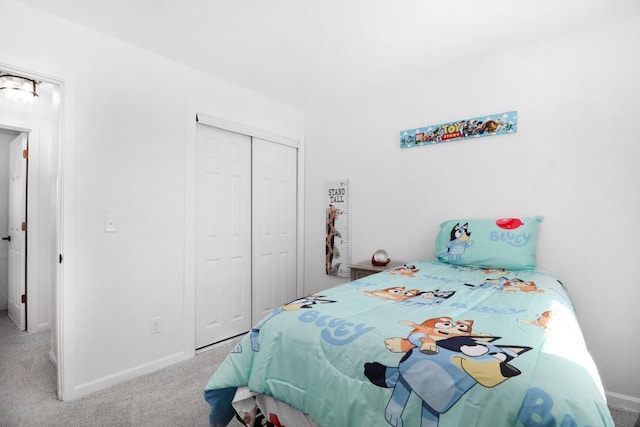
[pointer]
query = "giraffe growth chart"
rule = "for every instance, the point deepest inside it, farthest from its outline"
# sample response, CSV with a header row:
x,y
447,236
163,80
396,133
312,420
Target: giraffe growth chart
x,y
338,250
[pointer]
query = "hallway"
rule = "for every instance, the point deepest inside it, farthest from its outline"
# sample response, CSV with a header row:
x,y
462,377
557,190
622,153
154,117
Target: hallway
x,y
25,371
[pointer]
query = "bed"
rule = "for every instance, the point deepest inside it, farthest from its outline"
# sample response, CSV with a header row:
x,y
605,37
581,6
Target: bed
x,y
476,336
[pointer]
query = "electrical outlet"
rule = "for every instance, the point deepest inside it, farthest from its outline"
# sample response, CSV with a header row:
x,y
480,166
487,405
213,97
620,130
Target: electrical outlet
x,y
155,325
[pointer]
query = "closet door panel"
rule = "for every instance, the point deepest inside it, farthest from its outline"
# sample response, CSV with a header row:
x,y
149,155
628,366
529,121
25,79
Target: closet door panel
x,y
223,234
274,226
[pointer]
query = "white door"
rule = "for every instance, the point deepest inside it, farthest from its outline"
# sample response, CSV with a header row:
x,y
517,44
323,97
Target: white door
x,y
274,226
223,234
17,244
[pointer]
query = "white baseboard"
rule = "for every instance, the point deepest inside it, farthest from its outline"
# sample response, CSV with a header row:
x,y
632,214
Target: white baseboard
x,y
41,327
53,359
120,377
623,401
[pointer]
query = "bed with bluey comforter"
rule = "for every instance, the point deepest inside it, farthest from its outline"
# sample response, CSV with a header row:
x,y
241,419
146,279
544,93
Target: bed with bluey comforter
x,y
478,336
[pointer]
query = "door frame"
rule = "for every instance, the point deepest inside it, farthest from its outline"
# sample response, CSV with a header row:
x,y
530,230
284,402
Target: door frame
x,y
193,117
61,320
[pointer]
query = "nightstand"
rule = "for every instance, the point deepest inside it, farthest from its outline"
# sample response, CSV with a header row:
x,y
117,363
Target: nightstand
x,y
364,269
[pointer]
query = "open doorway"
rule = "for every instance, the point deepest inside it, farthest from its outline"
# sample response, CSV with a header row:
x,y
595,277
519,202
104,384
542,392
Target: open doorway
x,y
40,124
13,251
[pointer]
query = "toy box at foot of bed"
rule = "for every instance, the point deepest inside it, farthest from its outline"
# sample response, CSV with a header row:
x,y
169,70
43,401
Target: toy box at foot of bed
x,y
429,344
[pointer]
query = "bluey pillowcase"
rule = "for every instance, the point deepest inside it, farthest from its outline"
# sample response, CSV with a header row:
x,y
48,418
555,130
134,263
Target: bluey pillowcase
x,y
507,243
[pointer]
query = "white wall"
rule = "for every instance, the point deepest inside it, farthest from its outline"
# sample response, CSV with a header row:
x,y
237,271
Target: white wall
x,y
574,160
128,127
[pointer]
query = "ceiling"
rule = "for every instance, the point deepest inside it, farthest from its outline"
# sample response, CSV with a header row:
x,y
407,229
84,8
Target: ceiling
x,y
306,52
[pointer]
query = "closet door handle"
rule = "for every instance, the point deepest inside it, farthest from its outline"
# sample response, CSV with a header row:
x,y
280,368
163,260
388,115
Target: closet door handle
x,y
8,238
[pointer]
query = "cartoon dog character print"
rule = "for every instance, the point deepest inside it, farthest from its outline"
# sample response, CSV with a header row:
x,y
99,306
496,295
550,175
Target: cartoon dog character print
x,y
459,241
305,302
405,270
489,270
544,321
441,378
515,285
490,284
429,298
396,293
425,335
550,320
504,284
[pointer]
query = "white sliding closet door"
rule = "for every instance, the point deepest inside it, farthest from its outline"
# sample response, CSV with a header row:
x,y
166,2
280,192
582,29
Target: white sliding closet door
x,y
274,226
223,234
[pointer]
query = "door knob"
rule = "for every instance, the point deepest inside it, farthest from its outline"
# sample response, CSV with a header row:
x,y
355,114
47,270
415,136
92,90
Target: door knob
x,y
8,238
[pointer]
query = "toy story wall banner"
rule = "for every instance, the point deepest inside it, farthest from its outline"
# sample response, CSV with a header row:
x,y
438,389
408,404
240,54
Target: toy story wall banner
x,y
494,124
337,252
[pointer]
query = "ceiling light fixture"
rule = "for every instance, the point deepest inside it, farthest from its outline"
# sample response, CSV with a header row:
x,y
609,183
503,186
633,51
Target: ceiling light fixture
x,y
18,88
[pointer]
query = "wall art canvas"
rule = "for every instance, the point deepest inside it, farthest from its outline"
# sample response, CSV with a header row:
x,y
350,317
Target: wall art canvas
x,y
338,252
477,127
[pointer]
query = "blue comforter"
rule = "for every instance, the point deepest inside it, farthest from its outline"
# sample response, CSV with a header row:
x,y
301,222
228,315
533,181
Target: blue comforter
x,y
427,344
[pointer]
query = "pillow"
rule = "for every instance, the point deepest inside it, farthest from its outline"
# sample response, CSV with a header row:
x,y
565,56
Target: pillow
x,y
508,243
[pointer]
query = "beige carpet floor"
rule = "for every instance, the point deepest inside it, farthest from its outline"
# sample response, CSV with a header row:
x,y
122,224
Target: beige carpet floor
x,y
168,397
